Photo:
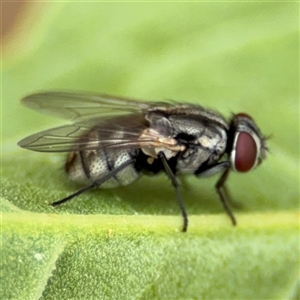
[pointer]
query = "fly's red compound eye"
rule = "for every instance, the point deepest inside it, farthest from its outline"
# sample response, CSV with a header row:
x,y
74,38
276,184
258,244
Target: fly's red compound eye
x,y
245,155
248,147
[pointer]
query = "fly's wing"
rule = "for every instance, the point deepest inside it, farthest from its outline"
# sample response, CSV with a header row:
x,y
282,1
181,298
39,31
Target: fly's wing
x,y
100,121
128,131
58,139
79,107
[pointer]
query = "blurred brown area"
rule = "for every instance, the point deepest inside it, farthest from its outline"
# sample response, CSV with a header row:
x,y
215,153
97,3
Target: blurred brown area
x,y
11,13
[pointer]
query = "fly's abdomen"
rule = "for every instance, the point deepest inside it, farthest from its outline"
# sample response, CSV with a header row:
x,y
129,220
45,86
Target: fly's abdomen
x,y
91,165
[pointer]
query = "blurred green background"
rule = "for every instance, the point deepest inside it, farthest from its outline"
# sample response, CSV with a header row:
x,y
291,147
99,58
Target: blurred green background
x,y
232,57
229,56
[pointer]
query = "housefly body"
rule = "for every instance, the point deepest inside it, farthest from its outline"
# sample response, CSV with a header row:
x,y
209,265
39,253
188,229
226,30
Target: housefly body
x,y
112,141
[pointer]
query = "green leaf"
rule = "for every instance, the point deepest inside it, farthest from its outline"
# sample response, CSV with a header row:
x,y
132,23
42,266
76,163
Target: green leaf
x,y
126,243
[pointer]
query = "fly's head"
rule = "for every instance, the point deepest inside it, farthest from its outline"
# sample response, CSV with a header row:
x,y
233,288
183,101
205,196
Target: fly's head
x,y
248,145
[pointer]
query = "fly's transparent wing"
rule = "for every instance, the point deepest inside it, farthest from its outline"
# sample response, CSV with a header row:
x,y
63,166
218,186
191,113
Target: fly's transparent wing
x,y
58,139
128,131
76,138
80,107
99,121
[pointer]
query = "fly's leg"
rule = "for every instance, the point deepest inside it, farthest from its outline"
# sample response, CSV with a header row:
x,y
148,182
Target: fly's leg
x,y
237,205
176,186
224,195
95,184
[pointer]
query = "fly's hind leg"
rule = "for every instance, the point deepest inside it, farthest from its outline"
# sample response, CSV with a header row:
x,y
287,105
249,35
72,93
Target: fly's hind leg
x,y
95,184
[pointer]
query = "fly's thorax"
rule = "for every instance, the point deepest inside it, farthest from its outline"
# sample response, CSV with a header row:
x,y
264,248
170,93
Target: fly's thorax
x,y
183,112
153,142
192,139
207,148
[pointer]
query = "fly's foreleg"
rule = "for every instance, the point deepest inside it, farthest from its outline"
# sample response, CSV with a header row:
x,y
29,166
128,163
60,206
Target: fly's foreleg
x,y
224,196
96,183
220,186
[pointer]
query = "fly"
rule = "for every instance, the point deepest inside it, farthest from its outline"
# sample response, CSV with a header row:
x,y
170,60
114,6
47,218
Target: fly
x,y
112,141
